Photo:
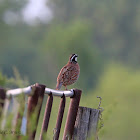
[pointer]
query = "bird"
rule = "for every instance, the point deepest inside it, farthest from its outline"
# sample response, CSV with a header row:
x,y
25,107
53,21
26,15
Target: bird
x,y
69,73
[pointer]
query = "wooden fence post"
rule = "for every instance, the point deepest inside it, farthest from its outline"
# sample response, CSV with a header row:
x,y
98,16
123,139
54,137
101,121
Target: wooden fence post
x,y
2,99
72,113
33,102
59,118
47,114
86,124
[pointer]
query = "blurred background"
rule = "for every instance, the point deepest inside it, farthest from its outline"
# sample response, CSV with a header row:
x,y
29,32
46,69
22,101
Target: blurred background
x,y
37,37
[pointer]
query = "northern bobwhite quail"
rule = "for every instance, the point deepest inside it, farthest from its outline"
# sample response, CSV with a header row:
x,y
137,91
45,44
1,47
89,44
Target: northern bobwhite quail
x,y
69,73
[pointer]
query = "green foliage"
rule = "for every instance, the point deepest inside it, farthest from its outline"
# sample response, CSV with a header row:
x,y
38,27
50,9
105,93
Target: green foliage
x,y
2,79
63,40
97,31
17,81
119,88
115,25
13,82
8,131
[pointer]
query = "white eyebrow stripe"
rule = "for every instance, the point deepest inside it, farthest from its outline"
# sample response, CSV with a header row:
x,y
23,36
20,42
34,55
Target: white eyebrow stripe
x,y
72,57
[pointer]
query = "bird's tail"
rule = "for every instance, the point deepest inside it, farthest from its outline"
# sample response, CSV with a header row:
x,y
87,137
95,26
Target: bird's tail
x,y
58,86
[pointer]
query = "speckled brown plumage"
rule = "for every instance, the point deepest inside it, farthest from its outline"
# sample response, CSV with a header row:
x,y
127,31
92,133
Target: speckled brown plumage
x,y
69,73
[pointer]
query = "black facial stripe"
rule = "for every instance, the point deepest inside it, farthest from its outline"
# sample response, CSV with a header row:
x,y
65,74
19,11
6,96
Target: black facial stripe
x,y
73,58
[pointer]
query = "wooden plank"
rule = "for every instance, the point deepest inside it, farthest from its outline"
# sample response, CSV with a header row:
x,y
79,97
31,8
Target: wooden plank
x,y
93,123
86,123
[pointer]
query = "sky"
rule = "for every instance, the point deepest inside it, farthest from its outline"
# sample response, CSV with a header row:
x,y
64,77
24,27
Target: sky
x,y
36,10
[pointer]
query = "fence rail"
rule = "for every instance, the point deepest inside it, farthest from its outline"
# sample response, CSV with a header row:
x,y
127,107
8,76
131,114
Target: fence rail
x,y
35,95
30,89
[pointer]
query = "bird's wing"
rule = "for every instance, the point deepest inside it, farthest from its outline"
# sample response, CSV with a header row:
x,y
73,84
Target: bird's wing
x,y
65,73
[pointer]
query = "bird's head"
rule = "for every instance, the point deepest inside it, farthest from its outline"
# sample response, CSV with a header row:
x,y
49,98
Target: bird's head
x,y
73,58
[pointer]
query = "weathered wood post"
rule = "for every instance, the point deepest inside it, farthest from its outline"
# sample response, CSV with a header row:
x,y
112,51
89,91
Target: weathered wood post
x,y
59,118
35,100
86,124
47,114
72,113
2,99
